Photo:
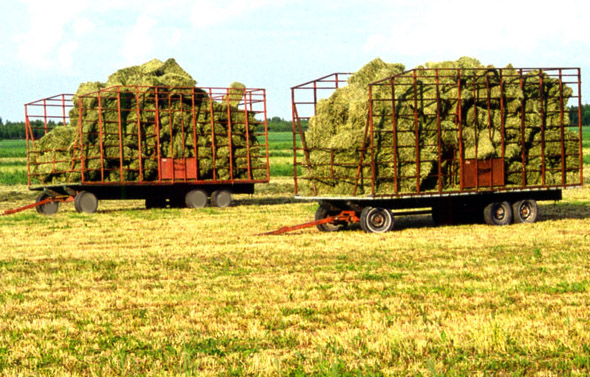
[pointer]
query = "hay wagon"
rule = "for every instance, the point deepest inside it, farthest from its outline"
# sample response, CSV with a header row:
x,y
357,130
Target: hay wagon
x,y
171,146
461,144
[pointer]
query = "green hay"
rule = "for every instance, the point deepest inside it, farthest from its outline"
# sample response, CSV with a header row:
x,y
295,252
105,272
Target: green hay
x,y
488,110
150,122
54,164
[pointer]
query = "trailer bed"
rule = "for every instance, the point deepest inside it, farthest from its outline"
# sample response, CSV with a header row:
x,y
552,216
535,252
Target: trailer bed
x,y
405,159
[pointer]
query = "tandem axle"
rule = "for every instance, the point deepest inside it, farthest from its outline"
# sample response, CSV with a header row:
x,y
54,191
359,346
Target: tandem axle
x,y
377,215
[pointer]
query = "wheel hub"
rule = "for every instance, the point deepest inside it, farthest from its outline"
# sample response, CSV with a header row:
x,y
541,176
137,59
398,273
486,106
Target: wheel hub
x,y
377,220
500,213
525,211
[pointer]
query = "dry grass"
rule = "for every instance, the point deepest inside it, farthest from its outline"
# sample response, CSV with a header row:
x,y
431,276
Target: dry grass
x,y
135,292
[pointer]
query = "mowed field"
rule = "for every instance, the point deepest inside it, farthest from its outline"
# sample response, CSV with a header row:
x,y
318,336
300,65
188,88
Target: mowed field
x,y
197,292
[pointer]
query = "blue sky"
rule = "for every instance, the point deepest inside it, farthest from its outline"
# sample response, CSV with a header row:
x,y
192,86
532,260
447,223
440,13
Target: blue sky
x,y
50,47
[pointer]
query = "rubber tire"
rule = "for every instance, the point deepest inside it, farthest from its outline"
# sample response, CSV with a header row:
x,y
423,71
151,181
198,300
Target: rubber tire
x,y
436,216
47,208
85,202
196,199
376,220
322,213
155,202
221,198
498,213
525,211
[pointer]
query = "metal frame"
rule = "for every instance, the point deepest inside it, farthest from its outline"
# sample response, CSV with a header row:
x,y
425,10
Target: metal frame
x,y
467,82
300,104
108,105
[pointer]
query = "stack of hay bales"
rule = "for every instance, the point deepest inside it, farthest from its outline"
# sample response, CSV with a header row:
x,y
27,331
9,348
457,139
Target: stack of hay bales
x,y
137,121
51,157
336,132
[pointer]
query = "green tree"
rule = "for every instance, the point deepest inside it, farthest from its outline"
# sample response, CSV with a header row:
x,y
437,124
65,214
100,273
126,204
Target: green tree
x,y
585,115
277,124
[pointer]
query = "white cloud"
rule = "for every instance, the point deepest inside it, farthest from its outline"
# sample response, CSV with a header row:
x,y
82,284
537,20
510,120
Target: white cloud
x,y
83,26
465,27
138,44
44,45
208,12
176,38
65,52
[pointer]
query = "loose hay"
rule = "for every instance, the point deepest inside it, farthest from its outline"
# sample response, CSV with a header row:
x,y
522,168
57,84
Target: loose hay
x,y
145,113
499,117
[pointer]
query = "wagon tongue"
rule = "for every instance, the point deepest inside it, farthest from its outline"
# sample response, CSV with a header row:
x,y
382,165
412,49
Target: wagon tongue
x,y
344,216
49,199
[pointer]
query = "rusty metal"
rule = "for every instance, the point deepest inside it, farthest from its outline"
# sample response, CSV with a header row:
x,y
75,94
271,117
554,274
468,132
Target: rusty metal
x,y
180,165
522,128
439,138
483,173
459,116
344,216
51,199
581,157
469,173
543,115
563,178
303,108
372,143
360,164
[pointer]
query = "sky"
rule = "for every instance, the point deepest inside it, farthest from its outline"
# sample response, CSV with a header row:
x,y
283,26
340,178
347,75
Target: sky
x,y
50,47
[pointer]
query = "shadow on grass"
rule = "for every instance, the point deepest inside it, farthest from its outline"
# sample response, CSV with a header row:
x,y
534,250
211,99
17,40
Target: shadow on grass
x,y
270,200
547,212
564,210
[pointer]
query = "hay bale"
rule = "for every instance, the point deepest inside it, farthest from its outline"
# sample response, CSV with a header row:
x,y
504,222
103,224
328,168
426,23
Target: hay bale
x,y
336,132
50,157
124,129
491,103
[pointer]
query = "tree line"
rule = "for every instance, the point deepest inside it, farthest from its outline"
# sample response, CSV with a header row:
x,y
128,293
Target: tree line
x,y
16,130
585,115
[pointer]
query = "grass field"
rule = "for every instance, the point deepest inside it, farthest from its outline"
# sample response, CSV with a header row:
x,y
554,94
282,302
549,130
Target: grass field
x,y
177,292
13,158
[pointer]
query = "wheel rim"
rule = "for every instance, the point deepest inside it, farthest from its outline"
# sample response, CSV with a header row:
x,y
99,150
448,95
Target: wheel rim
x,y
47,208
376,220
499,213
525,211
88,202
222,198
196,199
322,213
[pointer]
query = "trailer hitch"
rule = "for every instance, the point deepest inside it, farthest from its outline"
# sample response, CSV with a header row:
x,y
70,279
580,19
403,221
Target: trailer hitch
x,y
49,199
344,216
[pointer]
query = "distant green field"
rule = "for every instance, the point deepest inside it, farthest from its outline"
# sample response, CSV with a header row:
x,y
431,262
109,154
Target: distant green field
x,y
13,156
13,148
280,146
13,162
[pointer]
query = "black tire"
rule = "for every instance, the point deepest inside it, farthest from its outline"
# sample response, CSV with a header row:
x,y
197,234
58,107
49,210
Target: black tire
x,y
435,213
221,198
376,220
498,213
155,202
85,202
47,208
196,199
322,213
525,211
